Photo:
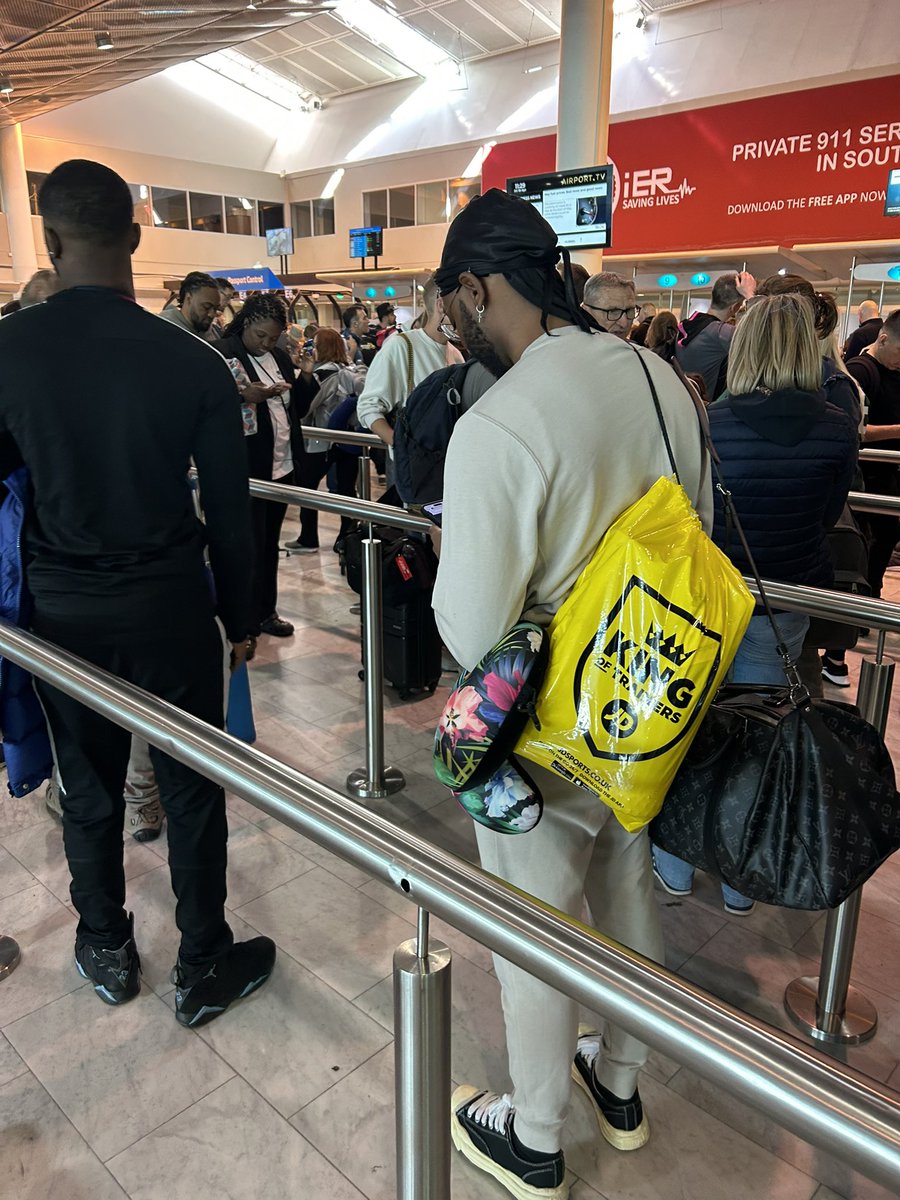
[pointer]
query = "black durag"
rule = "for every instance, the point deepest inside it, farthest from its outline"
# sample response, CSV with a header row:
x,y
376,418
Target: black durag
x,y
497,234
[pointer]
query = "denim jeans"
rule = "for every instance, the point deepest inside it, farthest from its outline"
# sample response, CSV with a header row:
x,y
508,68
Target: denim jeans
x,y
756,661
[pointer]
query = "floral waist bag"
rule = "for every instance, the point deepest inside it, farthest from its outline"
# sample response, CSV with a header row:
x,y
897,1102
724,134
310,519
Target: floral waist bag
x,y
480,726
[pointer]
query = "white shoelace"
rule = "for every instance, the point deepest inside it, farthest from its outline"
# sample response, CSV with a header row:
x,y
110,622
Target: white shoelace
x,y
589,1048
491,1111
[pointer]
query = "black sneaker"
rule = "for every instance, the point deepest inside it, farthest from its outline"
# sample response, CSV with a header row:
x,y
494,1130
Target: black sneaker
x,y
204,995
274,626
115,974
481,1125
835,672
622,1122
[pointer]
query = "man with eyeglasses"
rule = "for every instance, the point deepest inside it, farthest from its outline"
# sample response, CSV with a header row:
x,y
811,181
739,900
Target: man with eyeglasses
x,y
611,301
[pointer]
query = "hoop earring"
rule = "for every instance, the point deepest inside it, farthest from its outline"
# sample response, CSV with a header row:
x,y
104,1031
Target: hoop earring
x,y
479,312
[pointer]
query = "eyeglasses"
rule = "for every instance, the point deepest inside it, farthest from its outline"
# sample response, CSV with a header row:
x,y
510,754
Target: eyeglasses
x,y
446,327
614,314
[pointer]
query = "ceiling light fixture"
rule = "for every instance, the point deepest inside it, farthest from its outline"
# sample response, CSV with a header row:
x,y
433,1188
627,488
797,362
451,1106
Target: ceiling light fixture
x,y
6,86
103,40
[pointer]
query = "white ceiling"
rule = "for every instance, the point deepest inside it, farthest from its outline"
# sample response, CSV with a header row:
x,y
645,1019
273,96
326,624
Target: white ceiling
x,y
326,58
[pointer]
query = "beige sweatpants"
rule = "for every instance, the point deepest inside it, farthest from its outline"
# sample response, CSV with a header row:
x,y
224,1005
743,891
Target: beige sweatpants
x,y
578,852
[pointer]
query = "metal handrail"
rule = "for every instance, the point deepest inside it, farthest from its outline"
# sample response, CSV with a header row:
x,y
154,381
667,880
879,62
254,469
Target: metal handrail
x,y
846,608
843,607
343,506
872,454
830,1105
351,437
866,502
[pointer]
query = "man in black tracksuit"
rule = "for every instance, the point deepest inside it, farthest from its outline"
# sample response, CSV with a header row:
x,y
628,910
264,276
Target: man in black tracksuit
x,y
107,426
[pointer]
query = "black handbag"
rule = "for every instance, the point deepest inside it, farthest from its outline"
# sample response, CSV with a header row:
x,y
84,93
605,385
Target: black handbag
x,y
788,800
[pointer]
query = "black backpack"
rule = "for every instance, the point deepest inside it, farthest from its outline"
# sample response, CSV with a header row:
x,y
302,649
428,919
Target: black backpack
x,y
422,433
408,564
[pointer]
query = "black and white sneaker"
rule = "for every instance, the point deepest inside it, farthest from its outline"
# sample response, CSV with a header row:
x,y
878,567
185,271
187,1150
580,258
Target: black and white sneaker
x,y
204,994
145,820
481,1125
115,974
622,1122
835,672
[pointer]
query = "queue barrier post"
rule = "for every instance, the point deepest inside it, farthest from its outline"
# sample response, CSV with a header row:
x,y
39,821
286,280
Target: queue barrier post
x,y
422,982
374,781
827,1007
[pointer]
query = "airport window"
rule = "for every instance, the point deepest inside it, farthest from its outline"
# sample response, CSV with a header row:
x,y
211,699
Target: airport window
x,y
461,192
170,209
402,206
375,212
431,203
140,198
323,217
206,213
240,215
35,179
271,215
301,219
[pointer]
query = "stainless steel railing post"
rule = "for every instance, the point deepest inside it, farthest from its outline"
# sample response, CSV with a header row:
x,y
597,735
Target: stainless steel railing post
x,y
9,956
364,484
422,1066
827,1007
375,781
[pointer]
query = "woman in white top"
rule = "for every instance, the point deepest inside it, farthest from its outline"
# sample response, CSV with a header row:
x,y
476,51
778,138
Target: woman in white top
x,y
276,401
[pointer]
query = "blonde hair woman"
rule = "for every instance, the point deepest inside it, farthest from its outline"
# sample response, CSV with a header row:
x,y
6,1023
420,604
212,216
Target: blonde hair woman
x,y
788,457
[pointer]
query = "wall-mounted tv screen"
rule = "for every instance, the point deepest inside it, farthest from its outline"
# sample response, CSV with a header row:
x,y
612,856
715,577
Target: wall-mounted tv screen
x,y
578,204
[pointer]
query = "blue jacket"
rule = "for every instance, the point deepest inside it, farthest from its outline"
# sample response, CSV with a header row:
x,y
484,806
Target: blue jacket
x,y
26,745
788,458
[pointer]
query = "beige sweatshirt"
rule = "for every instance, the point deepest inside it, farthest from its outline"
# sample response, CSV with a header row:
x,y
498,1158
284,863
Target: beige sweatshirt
x,y
539,469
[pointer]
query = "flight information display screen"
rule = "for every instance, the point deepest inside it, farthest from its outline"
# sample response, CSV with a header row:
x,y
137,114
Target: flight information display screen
x,y
892,195
366,243
578,204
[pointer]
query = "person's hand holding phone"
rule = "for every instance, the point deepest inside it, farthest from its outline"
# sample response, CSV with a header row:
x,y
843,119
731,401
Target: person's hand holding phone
x,y
255,393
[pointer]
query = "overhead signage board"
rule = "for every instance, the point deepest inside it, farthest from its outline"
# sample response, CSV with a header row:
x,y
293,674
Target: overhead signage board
x,y
253,279
792,169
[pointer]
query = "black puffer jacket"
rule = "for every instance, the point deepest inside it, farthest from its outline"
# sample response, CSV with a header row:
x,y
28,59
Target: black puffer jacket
x,y
788,458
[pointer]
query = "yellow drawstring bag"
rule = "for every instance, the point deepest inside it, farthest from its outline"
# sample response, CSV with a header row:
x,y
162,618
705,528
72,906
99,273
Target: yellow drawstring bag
x,y
637,652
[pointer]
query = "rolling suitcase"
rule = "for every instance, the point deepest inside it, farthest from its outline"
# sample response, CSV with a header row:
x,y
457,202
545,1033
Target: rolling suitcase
x,y
412,647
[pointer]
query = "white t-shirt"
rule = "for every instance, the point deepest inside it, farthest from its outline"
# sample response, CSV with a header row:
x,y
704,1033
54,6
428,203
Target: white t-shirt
x,y
282,459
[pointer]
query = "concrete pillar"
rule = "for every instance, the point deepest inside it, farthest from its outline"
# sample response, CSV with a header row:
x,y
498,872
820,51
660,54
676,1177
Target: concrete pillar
x,y
16,206
585,66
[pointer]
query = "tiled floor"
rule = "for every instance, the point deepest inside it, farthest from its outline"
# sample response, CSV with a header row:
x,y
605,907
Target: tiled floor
x,y
291,1093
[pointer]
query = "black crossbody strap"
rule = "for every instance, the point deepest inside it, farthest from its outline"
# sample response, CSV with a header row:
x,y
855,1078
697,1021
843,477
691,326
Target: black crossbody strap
x,y
659,412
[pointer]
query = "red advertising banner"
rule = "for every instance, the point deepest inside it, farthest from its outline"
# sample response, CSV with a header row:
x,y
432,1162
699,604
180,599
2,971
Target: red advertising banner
x,y
778,171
